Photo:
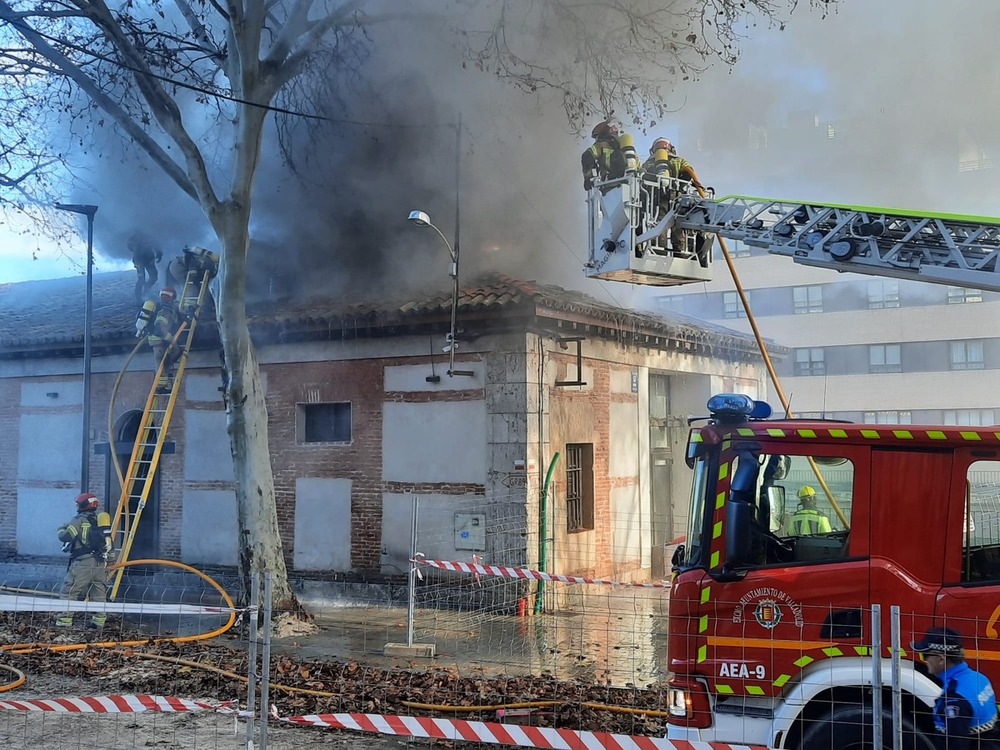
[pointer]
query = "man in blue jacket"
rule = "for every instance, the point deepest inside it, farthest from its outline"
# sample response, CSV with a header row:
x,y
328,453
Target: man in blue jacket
x,y
966,711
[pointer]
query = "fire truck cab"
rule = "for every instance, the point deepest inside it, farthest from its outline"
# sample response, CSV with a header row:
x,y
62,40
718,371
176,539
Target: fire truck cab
x,y
770,620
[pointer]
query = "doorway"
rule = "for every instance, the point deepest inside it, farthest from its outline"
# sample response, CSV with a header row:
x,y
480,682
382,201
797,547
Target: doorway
x,y
147,537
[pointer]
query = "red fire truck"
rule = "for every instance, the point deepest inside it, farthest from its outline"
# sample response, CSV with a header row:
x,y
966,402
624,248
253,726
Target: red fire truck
x,y
771,627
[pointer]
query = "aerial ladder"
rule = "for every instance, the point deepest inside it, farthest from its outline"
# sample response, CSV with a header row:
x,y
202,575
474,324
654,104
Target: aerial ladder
x,y
136,481
656,230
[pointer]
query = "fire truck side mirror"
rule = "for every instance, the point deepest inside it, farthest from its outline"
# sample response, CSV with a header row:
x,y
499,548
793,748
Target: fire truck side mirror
x,y
738,518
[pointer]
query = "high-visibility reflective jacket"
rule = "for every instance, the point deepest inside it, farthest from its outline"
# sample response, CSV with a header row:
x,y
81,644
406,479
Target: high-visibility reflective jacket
x,y
165,322
806,521
84,535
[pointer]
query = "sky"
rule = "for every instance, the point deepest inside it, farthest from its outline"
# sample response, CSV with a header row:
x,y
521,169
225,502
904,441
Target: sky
x,y
902,86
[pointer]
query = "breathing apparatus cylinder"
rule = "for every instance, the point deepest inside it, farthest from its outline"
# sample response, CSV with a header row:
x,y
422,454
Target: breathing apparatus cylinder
x,y
627,144
144,318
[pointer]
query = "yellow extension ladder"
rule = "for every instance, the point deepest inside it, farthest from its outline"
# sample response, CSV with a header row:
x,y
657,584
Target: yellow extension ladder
x,y
152,434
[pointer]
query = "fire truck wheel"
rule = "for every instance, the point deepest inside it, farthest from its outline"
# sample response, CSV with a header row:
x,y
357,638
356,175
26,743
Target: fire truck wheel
x,y
850,728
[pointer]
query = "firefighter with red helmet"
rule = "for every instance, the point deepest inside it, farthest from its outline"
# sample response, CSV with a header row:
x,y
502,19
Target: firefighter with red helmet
x,y
663,160
611,155
87,539
162,324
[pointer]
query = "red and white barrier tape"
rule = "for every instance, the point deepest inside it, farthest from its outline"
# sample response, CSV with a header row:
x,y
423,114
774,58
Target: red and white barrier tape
x,y
113,704
503,571
494,733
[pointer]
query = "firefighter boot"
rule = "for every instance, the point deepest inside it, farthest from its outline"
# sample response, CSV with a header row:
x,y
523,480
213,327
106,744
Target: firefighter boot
x,y
97,621
64,621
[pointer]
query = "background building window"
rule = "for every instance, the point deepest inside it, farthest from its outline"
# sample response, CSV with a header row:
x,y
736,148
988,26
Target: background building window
x,y
884,358
732,307
967,355
969,417
672,303
807,299
958,295
579,486
810,362
883,293
888,417
324,423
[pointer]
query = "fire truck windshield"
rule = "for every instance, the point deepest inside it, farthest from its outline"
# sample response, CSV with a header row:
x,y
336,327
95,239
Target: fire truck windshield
x,y
696,515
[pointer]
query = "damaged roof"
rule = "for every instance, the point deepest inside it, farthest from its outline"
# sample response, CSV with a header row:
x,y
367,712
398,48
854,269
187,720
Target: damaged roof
x,y
49,314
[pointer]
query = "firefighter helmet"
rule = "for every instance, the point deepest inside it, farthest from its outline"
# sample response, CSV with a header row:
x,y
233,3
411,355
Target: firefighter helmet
x,y
168,294
86,501
664,144
605,129
807,493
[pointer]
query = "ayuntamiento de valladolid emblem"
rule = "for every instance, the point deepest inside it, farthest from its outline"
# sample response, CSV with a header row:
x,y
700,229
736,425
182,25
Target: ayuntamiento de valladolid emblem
x,y
769,606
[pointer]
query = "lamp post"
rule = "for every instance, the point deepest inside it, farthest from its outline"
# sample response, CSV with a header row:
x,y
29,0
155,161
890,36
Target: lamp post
x,y
421,219
88,211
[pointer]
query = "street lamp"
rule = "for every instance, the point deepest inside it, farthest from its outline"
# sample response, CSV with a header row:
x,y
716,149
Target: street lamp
x,y
421,219
88,211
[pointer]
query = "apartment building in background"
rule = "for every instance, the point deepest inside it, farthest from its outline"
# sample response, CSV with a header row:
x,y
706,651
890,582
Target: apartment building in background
x,y
863,348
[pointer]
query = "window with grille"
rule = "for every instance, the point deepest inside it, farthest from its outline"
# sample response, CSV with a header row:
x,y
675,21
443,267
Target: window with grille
x,y
324,423
959,295
967,355
810,362
884,358
883,293
732,307
807,299
579,487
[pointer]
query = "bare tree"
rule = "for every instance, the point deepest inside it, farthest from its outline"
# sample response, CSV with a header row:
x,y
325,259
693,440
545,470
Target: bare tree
x,y
191,83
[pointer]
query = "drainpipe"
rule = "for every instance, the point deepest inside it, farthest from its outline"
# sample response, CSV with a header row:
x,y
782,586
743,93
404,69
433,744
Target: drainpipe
x,y
543,532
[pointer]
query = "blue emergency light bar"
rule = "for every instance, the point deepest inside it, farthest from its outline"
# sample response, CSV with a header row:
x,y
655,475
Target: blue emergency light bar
x,y
729,407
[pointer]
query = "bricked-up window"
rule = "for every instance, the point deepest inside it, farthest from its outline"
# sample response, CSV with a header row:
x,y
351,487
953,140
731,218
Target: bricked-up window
x,y
324,423
579,486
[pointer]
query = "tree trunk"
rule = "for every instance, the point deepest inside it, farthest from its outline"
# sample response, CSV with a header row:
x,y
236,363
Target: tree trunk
x,y
260,547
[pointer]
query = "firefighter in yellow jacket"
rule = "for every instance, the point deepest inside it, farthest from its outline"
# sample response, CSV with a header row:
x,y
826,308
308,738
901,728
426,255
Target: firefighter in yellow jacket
x,y
663,160
610,157
87,539
163,323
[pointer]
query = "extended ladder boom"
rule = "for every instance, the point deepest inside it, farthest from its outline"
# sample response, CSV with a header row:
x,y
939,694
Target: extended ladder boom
x,y
937,248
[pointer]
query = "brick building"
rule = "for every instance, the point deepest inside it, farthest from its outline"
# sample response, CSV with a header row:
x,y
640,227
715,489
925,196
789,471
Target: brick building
x,y
363,417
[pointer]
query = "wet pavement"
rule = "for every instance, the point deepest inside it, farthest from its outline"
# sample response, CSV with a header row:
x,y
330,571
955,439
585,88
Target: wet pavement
x,y
608,635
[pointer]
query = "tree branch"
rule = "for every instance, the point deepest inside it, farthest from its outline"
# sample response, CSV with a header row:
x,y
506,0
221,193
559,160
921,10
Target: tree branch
x,y
72,71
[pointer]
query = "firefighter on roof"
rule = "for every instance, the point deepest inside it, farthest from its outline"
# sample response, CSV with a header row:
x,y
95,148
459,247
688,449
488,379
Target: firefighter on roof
x,y
204,263
87,539
145,256
807,520
965,714
611,155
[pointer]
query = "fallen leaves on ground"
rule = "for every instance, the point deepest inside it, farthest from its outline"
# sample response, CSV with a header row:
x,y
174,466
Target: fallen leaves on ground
x,y
353,686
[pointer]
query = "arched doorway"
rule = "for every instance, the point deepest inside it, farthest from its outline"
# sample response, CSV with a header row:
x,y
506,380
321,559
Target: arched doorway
x,y
147,538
